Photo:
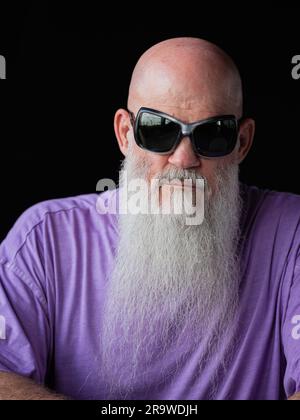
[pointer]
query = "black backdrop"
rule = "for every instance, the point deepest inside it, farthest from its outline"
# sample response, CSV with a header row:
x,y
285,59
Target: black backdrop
x,y
68,69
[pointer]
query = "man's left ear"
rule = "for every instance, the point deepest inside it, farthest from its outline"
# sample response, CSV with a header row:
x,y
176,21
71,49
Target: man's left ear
x,y
246,135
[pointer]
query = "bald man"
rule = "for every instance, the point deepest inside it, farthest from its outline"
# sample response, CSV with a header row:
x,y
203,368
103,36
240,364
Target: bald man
x,y
98,303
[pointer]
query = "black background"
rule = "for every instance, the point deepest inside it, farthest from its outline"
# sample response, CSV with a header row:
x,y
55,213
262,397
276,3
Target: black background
x,y
68,70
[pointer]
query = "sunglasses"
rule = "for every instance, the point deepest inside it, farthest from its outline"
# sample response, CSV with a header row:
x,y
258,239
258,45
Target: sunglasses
x,y
161,133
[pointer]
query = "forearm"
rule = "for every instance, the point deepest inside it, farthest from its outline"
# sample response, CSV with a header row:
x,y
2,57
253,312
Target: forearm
x,y
295,397
15,387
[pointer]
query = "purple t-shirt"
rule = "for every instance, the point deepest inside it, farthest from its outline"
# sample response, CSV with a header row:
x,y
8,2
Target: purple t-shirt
x,y
54,265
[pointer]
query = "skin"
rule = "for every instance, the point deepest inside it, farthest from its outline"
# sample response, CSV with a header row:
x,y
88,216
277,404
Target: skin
x,y
16,387
191,80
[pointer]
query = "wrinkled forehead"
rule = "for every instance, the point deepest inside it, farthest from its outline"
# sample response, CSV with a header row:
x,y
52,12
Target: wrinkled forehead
x,y
202,84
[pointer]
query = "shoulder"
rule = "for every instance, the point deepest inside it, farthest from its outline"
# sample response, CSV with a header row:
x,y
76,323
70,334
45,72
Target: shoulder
x,y
54,215
274,207
271,227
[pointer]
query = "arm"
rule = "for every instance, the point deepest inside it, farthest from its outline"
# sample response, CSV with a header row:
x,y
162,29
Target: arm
x,y
25,331
16,387
295,397
291,335
27,312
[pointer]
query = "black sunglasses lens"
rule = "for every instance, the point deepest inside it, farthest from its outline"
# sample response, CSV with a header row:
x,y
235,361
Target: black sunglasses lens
x,y
156,133
216,138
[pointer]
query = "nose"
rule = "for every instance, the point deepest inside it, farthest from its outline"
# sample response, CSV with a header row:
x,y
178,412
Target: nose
x,y
184,156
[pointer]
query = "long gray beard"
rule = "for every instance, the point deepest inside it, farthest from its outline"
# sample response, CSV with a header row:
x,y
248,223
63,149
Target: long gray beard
x,y
173,290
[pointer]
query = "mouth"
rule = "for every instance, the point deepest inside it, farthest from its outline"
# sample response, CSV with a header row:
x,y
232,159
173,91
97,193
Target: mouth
x,y
180,184
176,181
185,188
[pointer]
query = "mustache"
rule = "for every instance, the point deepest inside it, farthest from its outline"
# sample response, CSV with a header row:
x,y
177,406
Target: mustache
x,y
179,175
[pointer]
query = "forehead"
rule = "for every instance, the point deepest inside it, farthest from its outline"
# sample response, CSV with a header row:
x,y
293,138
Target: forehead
x,y
182,96
151,115
163,83
186,111
191,87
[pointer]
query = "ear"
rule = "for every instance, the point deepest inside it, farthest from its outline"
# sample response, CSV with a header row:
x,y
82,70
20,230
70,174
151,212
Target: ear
x,y
246,135
122,125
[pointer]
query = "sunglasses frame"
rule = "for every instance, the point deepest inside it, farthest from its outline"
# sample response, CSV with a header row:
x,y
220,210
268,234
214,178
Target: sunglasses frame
x,y
186,130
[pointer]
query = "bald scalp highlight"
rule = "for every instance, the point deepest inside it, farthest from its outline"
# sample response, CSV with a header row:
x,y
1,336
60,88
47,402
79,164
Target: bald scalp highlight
x,y
187,73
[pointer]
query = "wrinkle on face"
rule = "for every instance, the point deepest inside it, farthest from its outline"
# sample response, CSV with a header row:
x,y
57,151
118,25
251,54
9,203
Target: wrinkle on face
x,y
186,77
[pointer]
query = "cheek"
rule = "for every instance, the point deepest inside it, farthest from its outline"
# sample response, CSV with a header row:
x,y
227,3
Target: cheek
x,y
158,163
209,169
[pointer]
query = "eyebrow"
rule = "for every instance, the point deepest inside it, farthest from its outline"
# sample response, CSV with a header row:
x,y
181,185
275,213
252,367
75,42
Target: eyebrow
x,y
155,111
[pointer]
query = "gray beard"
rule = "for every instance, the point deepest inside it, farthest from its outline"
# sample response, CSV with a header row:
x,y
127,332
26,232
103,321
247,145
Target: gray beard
x,y
173,290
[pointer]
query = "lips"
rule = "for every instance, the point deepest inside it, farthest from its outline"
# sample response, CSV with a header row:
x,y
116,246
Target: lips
x,y
181,189
179,184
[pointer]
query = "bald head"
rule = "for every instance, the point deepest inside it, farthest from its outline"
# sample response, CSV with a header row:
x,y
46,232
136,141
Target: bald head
x,y
187,74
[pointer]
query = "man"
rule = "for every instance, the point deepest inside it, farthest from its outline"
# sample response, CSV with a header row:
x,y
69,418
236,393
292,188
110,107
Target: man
x,y
143,305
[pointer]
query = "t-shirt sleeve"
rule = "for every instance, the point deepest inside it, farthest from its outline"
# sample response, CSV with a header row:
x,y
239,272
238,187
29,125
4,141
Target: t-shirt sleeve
x,y
24,328
291,335
25,334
